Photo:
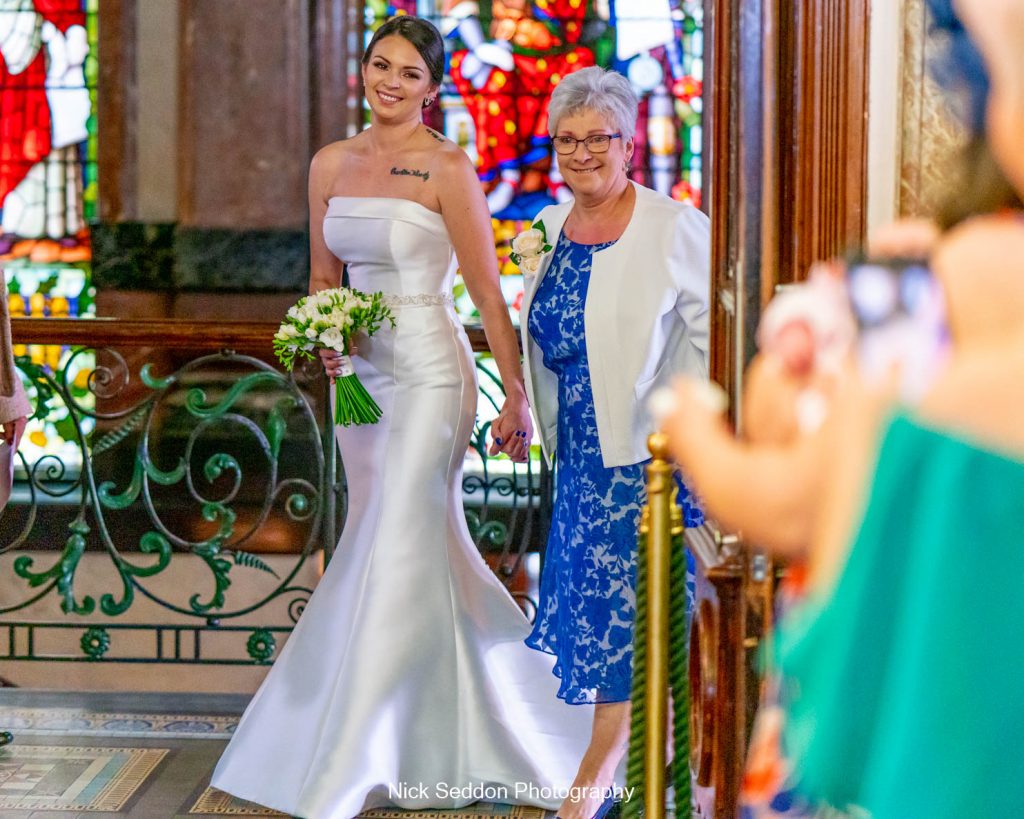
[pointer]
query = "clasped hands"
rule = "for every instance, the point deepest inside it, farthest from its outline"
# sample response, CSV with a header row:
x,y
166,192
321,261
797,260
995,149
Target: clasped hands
x,y
512,430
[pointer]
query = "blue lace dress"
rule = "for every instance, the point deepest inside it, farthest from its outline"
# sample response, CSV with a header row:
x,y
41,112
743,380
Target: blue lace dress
x,y
587,595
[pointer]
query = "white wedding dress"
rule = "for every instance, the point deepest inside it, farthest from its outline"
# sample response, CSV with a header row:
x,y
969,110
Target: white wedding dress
x,y
406,680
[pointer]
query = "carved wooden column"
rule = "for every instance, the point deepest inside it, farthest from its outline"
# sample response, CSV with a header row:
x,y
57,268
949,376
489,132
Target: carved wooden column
x,y
787,115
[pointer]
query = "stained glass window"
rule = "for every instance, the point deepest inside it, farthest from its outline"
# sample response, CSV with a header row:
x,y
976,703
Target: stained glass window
x,y
505,57
48,72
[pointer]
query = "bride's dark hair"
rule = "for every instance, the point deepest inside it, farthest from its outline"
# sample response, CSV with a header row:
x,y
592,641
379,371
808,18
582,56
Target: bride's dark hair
x,y
424,37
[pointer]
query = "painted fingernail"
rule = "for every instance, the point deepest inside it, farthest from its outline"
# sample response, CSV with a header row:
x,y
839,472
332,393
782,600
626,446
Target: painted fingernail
x,y
498,441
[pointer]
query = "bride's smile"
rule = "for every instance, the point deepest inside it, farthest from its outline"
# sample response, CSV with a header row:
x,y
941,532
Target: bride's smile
x,y
396,79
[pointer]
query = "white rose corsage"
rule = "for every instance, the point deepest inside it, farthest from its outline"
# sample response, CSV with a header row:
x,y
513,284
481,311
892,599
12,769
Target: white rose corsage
x,y
529,247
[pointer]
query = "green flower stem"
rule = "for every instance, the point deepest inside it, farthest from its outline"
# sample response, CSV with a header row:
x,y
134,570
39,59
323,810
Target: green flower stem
x,y
353,404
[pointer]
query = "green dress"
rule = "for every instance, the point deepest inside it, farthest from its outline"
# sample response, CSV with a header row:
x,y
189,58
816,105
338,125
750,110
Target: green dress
x,y
904,688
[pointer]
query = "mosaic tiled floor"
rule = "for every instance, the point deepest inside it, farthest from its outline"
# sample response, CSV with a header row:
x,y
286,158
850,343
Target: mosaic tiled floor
x,y
221,804
137,756
85,722
470,812
73,778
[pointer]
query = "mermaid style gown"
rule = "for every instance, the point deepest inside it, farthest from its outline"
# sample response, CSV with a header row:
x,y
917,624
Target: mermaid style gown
x,y
406,681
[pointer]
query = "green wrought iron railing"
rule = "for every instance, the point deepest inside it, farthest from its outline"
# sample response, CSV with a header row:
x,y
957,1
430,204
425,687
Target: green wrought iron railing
x,y
158,445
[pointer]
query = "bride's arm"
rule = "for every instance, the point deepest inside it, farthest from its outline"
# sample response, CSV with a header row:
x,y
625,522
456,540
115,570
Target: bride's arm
x,y
465,213
324,266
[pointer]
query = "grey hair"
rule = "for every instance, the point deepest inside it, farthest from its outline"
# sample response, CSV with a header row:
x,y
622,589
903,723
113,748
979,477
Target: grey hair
x,y
607,93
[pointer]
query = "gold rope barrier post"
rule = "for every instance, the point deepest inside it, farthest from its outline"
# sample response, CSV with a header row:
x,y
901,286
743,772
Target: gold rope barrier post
x,y
659,555
660,657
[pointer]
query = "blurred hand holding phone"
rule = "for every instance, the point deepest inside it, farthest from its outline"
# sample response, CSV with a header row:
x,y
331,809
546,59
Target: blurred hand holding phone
x,y
887,313
900,312
809,329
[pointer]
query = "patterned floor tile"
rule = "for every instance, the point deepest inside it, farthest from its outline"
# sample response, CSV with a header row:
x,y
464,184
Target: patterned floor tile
x,y
224,804
474,811
219,803
34,777
84,722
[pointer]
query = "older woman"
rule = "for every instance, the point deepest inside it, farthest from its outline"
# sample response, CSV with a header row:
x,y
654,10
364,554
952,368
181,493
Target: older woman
x,y
617,304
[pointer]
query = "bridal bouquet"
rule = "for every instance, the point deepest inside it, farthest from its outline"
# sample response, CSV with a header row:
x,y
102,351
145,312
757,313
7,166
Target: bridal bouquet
x,y
328,319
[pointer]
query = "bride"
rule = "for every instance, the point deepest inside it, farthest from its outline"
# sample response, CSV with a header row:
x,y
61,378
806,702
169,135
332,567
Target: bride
x,y
406,681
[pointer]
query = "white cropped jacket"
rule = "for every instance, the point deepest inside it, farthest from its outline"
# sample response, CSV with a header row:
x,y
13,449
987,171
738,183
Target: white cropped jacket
x,y
645,320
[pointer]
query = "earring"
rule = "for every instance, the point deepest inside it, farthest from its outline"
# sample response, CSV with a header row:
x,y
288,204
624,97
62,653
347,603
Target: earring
x,y
428,101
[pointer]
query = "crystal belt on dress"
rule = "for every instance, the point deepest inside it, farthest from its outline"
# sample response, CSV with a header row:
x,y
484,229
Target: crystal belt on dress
x,y
418,300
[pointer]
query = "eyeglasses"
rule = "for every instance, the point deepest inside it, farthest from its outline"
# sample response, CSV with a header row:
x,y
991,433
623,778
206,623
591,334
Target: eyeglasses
x,y
595,143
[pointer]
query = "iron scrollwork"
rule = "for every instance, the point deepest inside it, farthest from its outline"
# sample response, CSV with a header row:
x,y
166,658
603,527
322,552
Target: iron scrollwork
x,y
189,438
215,458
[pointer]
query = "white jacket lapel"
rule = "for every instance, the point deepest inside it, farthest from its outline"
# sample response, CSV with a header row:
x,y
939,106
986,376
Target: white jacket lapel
x,y
553,217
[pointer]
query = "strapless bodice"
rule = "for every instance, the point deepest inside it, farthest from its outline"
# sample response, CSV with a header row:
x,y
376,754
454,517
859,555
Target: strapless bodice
x,y
393,245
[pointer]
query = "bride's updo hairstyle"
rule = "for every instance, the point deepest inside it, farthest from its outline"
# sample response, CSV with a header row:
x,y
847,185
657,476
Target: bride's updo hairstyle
x,y
424,37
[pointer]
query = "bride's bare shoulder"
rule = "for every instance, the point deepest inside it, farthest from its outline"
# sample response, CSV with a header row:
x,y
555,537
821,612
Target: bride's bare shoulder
x,y
451,161
334,155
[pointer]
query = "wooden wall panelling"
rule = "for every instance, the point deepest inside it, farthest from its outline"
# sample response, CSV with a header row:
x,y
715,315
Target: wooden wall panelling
x,y
737,181
116,110
722,195
739,91
336,39
823,126
245,120
717,684
264,84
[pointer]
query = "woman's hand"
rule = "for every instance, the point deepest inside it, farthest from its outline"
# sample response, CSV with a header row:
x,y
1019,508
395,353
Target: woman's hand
x,y
693,416
335,363
910,238
512,430
11,431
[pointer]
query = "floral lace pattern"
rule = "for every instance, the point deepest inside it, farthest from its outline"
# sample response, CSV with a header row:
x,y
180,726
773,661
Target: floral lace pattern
x,y
588,599
418,300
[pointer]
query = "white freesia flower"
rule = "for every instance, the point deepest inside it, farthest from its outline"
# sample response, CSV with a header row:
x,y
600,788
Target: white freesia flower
x,y
333,338
528,243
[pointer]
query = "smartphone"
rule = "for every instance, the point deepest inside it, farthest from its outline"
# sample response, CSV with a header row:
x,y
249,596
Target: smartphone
x,y
901,318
